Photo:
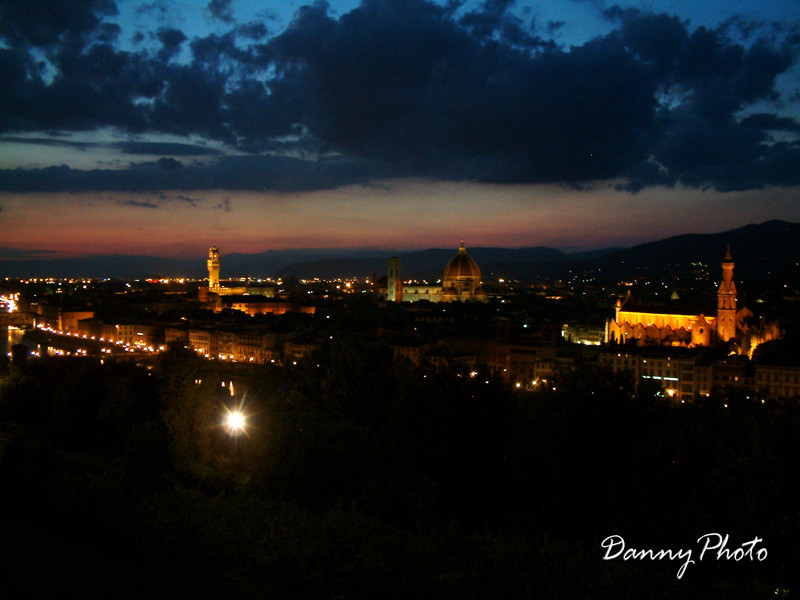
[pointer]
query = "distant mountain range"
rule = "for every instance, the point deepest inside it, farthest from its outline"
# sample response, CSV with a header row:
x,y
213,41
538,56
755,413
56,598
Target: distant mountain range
x,y
760,251
262,264
423,264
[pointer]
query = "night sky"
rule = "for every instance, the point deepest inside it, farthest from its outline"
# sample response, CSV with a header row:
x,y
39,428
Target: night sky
x,y
161,127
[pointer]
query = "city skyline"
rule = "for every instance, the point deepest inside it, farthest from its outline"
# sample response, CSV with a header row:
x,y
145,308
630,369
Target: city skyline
x,y
156,129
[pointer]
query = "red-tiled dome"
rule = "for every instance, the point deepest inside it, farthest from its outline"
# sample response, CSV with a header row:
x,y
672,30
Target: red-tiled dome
x,y
461,268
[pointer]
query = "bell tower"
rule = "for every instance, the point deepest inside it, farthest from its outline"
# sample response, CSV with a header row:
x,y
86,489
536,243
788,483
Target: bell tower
x,y
394,283
726,301
213,268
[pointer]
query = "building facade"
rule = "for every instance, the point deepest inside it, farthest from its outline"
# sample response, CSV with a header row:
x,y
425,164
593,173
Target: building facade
x,y
461,281
214,288
640,325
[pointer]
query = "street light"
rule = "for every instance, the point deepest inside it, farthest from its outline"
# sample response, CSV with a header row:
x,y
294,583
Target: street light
x,y
235,421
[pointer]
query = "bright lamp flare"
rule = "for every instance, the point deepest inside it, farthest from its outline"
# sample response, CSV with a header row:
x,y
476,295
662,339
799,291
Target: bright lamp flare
x,y
235,422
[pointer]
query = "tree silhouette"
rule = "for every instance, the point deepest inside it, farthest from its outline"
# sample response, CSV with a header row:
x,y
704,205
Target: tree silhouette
x,y
187,393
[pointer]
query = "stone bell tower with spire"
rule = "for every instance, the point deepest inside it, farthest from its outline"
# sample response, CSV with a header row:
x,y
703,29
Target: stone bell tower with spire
x,y
726,301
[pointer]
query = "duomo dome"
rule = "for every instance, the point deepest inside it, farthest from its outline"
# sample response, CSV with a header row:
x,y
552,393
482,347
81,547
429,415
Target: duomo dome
x,y
462,277
461,268
461,281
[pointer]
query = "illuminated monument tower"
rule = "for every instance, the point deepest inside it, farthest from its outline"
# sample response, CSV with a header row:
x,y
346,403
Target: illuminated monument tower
x,y
213,268
394,283
726,301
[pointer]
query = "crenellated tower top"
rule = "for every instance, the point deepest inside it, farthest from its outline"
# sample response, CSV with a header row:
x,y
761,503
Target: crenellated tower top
x,y
213,268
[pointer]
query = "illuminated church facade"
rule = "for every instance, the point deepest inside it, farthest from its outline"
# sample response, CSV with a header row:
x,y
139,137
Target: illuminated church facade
x,y
461,282
632,322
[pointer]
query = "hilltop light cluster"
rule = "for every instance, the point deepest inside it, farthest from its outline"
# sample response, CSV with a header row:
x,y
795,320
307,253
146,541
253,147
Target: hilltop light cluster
x,y
8,303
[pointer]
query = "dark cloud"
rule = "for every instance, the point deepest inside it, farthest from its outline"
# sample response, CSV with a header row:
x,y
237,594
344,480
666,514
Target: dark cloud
x,y
139,204
191,103
494,22
162,198
94,87
169,164
416,89
770,122
262,173
737,25
255,30
171,40
51,141
215,50
46,22
221,10
158,8
7,253
656,39
131,147
187,199
408,87
703,140
165,148
107,32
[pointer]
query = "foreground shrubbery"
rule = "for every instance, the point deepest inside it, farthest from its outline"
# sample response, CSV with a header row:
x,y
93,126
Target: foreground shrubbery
x,y
108,538
364,478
